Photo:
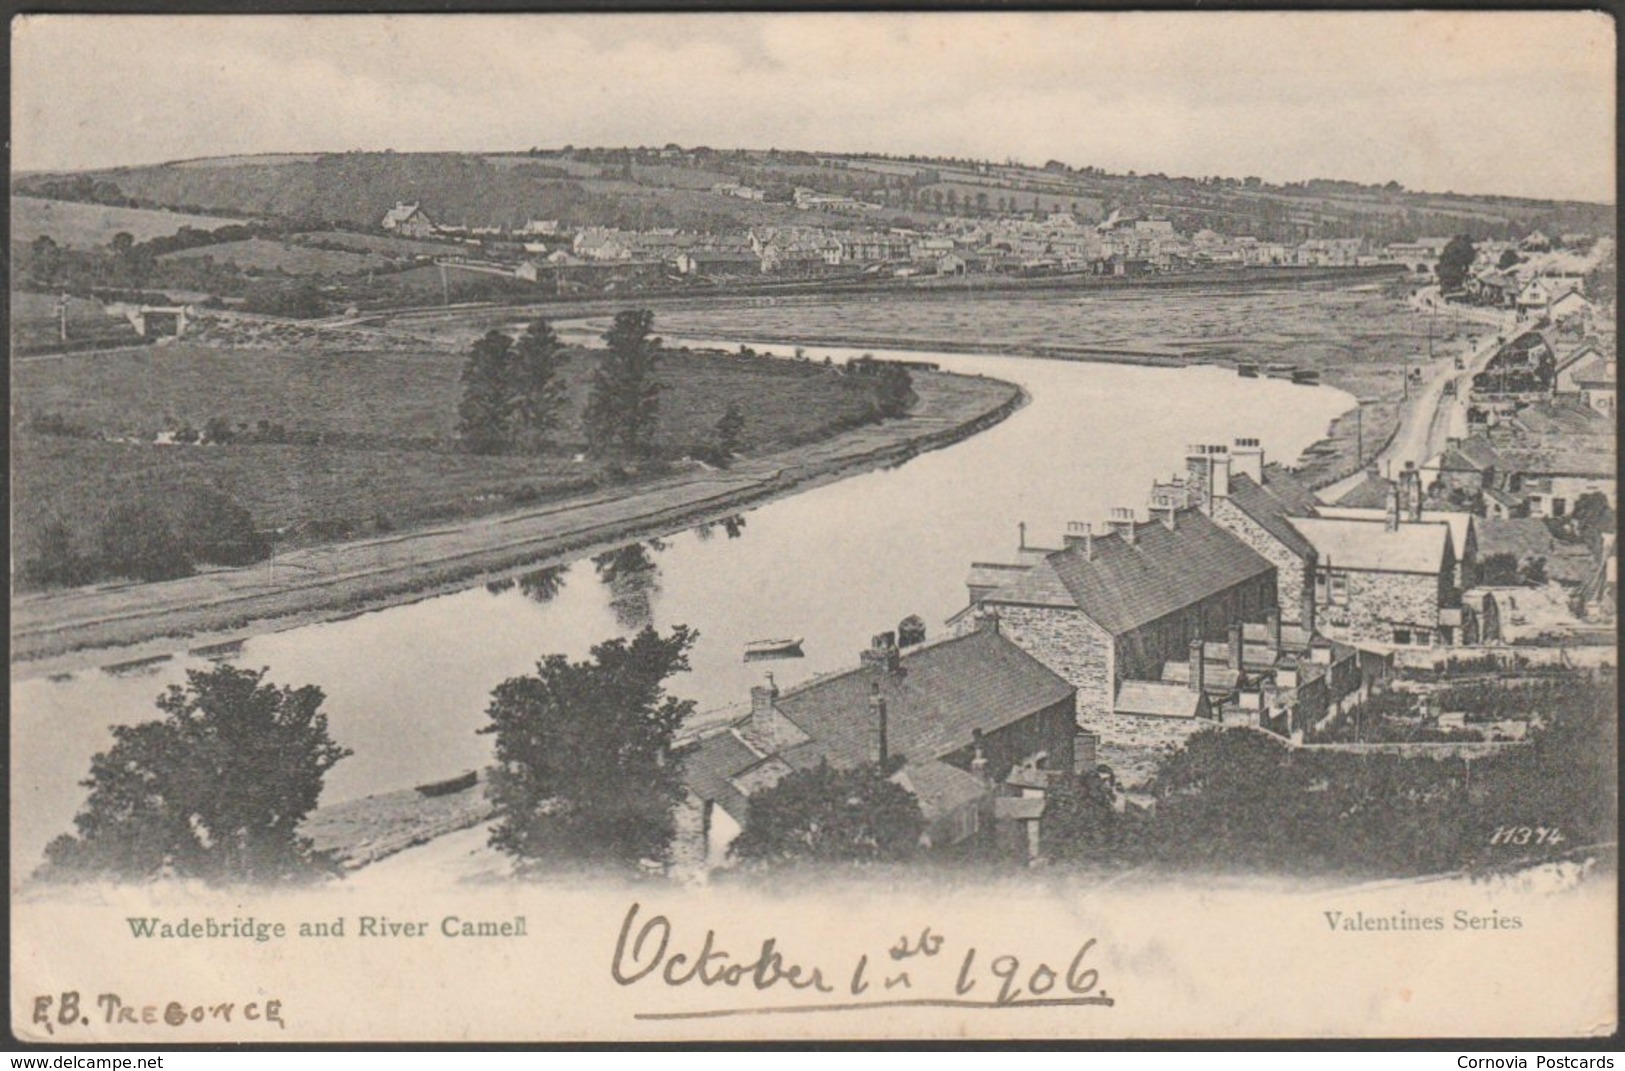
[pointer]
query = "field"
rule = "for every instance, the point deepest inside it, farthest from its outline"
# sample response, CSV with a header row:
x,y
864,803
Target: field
x,y
84,226
34,323
268,255
373,434
378,243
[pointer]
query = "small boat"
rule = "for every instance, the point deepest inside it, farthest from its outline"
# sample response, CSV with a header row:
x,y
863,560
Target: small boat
x,y
449,786
1306,375
1281,371
1247,370
787,648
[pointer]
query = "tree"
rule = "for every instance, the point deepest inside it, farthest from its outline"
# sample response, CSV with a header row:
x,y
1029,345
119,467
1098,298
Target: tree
x,y
1454,261
1509,258
488,402
583,750
826,815
56,563
729,430
135,541
1080,816
539,391
1593,518
625,397
216,790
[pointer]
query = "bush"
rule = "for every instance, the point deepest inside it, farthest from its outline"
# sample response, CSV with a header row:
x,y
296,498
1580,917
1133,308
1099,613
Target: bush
x,y
136,541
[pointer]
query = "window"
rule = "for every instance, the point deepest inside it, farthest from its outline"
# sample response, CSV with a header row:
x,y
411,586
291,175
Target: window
x,y
1402,637
1559,507
1339,588
1422,638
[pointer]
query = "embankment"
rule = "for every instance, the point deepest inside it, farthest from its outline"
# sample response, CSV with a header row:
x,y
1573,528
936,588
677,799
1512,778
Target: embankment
x,y
63,631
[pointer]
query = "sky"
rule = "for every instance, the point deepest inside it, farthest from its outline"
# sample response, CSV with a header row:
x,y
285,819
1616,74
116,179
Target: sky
x,y
1512,103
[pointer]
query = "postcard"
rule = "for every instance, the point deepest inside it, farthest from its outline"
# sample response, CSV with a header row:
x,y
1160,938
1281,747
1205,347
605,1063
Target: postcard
x,y
694,527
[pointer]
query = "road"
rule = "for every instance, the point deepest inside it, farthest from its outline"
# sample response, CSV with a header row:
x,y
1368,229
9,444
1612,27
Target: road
x,y
1426,422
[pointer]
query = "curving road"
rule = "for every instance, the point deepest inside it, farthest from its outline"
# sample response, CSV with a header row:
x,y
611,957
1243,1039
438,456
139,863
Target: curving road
x,y
1425,422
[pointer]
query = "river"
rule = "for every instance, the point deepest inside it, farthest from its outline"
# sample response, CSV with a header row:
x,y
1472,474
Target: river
x,y
406,687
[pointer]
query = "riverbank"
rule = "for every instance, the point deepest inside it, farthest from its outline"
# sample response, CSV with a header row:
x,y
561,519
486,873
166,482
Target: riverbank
x,y
67,631
1351,439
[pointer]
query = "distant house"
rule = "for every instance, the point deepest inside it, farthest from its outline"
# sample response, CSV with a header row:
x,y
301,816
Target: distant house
x,y
1569,304
951,719
409,220
702,262
1596,379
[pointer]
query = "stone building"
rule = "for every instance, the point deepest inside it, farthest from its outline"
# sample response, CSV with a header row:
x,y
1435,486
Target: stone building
x,y
949,719
1109,611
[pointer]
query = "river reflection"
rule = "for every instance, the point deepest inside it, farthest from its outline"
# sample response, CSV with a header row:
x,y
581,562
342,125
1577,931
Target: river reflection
x,y
407,687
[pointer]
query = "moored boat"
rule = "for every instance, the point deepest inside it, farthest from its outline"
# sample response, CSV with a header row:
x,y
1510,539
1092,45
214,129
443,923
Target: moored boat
x,y
1247,370
781,648
450,785
1306,375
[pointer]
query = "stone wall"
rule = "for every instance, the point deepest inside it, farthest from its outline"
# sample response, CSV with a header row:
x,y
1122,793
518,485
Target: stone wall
x,y
1073,646
1377,604
1146,731
1293,574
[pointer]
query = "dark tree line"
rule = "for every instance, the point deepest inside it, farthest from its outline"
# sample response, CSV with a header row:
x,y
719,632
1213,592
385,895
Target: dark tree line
x,y
513,391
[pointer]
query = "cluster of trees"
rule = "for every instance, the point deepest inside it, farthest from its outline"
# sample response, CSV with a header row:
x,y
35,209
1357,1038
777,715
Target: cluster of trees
x,y
1454,261
894,385
1503,569
513,391
139,541
215,790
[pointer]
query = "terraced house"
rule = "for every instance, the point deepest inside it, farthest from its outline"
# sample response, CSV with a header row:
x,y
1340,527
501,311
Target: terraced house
x,y
1112,611
949,720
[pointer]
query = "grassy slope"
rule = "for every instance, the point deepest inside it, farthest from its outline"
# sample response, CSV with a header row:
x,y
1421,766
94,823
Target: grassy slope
x,y
390,421
84,226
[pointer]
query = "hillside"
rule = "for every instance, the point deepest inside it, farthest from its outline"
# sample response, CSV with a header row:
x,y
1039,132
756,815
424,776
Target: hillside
x,y
648,188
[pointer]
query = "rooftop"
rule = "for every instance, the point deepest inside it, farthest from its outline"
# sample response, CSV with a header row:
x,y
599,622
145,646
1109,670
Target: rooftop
x,y
1369,545
1157,699
1272,504
1122,585
940,694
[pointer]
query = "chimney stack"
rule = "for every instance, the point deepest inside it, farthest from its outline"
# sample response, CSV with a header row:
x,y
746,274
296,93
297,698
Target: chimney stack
x,y
1235,646
877,708
1081,534
1198,679
1122,523
882,653
1249,459
1391,509
1410,486
1171,518
763,715
1272,628
1207,474
978,762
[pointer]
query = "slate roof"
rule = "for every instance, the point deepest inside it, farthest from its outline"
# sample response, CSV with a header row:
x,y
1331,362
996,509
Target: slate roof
x,y
1368,545
708,767
1370,493
1125,586
1019,808
1215,678
1461,523
1157,700
1557,461
1271,505
1474,454
941,693
940,788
